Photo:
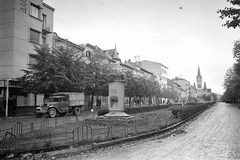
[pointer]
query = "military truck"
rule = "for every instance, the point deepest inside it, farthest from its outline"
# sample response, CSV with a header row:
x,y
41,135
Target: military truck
x,y
61,103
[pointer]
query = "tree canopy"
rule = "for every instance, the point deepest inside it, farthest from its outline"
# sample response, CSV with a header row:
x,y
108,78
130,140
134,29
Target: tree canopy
x,y
231,14
64,69
232,77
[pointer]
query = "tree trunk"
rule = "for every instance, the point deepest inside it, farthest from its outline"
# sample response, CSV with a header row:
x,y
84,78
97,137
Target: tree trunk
x,y
130,102
91,105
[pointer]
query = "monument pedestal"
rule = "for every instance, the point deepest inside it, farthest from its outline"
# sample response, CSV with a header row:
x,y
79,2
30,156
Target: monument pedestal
x,y
116,99
116,114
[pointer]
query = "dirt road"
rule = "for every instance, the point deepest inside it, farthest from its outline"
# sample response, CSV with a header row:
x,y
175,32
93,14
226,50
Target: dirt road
x,y
214,135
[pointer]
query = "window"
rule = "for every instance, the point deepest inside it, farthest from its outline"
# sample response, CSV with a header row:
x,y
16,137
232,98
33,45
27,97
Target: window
x,y
34,10
31,60
44,18
88,54
164,71
43,40
34,36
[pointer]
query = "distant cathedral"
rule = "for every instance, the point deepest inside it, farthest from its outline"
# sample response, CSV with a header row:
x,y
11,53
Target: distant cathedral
x,y
199,80
199,88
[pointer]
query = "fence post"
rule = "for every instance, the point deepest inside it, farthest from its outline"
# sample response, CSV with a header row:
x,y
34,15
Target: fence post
x,y
50,139
16,128
56,122
109,134
44,123
32,128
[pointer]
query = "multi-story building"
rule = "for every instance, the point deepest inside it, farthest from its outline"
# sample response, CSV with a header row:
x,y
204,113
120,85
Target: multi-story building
x,y
136,69
158,69
185,88
23,24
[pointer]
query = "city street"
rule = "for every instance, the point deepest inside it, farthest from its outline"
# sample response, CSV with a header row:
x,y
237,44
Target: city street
x,y
213,135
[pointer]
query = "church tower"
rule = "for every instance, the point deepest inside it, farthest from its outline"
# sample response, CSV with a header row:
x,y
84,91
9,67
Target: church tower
x,y
199,79
115,55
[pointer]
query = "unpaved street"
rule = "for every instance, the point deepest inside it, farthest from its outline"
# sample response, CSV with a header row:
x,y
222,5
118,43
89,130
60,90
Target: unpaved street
x,y
214,135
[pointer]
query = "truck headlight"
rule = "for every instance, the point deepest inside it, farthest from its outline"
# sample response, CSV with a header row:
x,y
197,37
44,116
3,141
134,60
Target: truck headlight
x,y
39,108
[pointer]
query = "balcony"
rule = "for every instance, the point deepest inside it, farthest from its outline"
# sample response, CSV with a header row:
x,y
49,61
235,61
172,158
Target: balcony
x,y
46,30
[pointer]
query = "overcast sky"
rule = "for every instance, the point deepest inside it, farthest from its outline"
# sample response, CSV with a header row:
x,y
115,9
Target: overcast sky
x,y
180,34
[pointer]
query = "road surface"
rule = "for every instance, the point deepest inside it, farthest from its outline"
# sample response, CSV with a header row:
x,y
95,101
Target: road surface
x,y
213,135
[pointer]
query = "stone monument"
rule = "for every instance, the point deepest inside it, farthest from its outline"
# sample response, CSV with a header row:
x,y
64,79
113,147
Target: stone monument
x,y
116,96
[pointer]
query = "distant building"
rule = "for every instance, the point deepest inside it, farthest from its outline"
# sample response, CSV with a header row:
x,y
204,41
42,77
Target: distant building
x,y
58,41
199,80
185,88
136,69
202,91
158,69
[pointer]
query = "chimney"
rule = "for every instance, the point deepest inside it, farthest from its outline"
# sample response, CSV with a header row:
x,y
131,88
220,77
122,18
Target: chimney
x,y
137,60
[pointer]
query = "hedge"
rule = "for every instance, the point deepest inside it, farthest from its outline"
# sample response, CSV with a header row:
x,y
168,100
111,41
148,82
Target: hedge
x,y
177,109
188,110
135,110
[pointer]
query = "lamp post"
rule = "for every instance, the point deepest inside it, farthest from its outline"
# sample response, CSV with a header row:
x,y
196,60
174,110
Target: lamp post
x,y
7,95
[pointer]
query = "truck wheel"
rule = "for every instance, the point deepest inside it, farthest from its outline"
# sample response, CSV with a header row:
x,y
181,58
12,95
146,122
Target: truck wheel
x,y
39,115
52,112
76,110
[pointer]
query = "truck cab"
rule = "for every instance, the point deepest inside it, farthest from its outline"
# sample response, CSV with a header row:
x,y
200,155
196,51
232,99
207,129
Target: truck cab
x,y
61,103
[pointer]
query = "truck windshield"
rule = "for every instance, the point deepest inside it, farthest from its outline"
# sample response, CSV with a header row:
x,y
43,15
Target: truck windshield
x,y
53,99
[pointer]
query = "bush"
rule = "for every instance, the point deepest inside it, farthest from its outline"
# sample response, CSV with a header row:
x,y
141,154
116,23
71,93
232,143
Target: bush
x,y
189,110
102,112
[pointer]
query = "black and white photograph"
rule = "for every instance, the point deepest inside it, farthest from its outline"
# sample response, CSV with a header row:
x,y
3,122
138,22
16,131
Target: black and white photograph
x,y
120,79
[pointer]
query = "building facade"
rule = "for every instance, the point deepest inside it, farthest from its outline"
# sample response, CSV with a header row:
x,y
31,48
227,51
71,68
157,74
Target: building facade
x,y
159,70
185,88
23,24
136,69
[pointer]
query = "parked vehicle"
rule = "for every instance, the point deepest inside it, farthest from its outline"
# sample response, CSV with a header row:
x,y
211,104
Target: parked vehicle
x,y
61,103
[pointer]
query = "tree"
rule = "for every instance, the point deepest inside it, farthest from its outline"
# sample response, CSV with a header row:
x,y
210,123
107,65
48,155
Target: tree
x,y
231,14
206,97
64,69
139,86
57,69
231,85
97,75
232,77
214,95
130,86
236,55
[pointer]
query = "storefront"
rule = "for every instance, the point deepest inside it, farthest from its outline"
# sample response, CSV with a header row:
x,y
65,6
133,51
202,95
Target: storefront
x,y
17,98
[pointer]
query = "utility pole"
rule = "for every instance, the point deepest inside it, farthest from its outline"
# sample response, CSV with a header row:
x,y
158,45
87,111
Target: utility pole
x,y
7,95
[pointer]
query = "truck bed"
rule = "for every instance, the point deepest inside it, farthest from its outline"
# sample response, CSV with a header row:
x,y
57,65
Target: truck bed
x,y
75,98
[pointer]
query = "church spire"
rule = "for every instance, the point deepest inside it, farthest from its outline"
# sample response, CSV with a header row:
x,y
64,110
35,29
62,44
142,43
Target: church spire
x,y
199,74
115,54
199,79
205,86
194,85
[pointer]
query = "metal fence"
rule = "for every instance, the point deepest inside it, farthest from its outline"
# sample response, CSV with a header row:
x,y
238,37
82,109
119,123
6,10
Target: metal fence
x,y
19,128
43,139
95,130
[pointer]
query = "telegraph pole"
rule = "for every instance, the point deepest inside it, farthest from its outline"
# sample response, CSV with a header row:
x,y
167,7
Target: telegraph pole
x,y
7,95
